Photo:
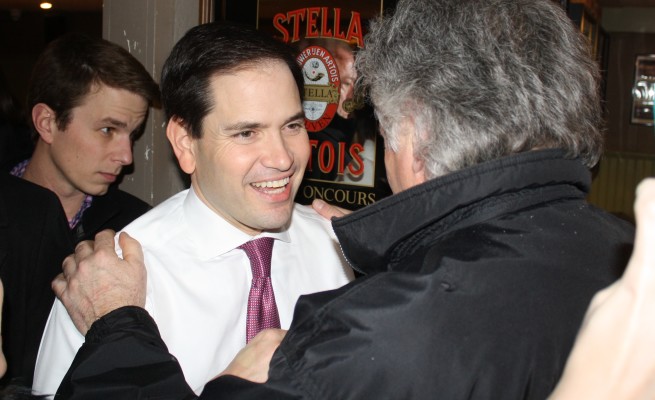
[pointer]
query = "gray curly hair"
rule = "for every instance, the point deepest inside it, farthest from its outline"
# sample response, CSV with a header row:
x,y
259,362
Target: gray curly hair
x,y
482,79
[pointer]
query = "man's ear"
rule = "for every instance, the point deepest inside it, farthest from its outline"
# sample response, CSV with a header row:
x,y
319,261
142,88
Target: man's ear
x,y
418,163
418,168
44,119
182,143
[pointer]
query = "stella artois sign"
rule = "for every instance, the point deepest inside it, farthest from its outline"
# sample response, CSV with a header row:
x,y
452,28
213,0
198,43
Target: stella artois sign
x,y
322,85
319,22
346,166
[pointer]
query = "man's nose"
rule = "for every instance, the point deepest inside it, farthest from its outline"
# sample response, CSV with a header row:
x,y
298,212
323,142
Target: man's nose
x,y
122,152
277,153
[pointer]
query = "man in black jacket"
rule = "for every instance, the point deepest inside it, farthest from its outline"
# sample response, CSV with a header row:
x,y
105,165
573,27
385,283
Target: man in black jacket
x,y
479,269
88,100
86,113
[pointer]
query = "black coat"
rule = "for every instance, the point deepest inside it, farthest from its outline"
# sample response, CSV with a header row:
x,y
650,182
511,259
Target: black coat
x,y
476,286
34,240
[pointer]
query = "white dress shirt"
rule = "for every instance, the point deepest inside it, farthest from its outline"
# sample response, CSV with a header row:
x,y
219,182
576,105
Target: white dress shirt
x,y
198,285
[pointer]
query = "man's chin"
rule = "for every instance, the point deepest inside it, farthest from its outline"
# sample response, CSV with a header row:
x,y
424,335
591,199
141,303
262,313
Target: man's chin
x,y
97,190
275,220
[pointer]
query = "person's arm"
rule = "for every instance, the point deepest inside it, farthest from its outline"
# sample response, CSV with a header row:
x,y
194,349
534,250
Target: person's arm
x,y
613,355
124,357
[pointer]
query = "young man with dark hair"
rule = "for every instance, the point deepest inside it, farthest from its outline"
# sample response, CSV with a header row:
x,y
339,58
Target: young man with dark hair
x,y
88,100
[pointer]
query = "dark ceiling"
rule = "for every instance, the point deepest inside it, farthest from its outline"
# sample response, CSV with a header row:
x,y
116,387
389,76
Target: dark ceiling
x,y
96,5
59,5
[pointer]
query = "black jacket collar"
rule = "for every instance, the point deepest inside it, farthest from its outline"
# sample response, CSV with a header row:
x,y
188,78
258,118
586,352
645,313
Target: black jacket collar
x,y
369,236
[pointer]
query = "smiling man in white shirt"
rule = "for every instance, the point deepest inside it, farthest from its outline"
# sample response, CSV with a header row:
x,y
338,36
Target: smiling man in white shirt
x,y
232,97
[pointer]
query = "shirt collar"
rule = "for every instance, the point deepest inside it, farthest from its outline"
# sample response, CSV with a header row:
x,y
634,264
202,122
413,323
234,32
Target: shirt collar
x,y
213,234
19,171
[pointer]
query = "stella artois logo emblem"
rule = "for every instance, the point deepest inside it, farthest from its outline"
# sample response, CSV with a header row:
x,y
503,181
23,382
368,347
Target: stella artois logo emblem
x,y
322,84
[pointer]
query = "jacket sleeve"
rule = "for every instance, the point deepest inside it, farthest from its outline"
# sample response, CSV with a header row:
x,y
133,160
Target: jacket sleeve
x,y
124,357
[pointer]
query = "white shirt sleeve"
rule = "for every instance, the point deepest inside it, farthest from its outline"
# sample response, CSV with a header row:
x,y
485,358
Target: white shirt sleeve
x,y
59,344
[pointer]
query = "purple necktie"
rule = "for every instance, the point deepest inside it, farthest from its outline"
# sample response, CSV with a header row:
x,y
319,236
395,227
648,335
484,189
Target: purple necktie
x,y
262,311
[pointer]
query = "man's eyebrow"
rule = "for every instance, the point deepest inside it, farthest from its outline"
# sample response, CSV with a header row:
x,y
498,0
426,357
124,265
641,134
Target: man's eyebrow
x,y
114,122
243,126
247,125
299,115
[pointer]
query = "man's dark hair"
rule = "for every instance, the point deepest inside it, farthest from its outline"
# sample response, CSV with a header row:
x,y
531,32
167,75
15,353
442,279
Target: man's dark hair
x,y
213,49
71,65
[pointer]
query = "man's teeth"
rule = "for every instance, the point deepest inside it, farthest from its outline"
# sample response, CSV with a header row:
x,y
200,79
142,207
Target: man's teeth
x,y
272,184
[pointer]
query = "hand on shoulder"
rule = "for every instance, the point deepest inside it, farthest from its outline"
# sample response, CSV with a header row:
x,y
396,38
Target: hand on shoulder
x,y
96,281
329,211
